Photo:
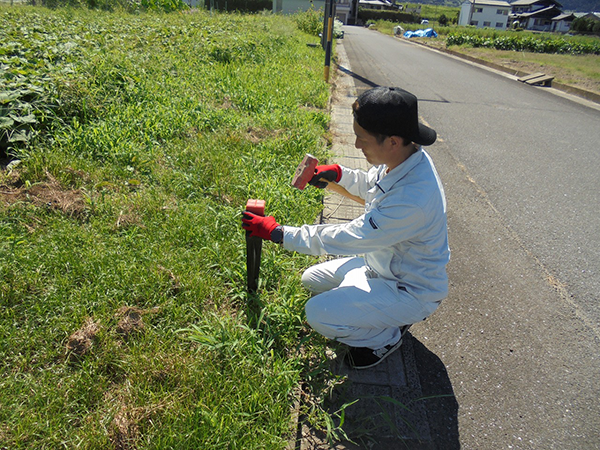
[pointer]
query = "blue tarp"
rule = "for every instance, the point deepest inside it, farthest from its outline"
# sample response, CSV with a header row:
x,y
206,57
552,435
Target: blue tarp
x,y
421,33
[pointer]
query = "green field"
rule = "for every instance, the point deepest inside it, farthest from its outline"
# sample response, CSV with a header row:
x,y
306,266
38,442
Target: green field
x,y
135,141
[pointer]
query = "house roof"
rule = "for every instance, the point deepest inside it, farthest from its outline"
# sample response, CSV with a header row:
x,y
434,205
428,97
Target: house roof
x,y
565,16
535,2
592,15
490,2
374,3
550,11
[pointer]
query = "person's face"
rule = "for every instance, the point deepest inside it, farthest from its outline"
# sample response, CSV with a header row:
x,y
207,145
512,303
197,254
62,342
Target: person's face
x,y
375,152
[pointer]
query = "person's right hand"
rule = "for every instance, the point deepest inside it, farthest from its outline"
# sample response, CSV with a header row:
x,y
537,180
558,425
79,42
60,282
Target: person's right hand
x,y
329,172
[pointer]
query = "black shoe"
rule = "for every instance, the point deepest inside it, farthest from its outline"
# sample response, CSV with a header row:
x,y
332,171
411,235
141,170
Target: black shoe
x,y
364,357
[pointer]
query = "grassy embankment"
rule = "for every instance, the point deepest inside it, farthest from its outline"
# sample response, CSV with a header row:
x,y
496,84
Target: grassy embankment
x,y
578,70
124,321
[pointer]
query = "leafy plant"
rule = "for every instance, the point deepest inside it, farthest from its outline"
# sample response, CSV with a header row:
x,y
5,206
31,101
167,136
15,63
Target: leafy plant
x,y
525,43
310,21
147,134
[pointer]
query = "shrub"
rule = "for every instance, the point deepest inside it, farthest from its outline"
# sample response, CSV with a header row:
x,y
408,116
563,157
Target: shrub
x,y
245,6
529,43
110,5
367,15
310,22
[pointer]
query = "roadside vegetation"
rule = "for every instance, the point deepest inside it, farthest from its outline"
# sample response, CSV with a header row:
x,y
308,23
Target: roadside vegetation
x,y
130,145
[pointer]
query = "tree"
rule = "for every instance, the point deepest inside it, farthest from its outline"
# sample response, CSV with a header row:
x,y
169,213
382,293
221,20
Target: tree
x,y
582,25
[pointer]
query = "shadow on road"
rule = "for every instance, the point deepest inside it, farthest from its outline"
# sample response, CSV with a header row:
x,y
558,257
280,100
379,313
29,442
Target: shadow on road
x,y
409,404
357,77
439,399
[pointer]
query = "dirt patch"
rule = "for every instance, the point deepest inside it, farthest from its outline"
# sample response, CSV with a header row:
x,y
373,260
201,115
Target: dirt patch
x,y
49,194
129,219
130,320
124,431
81,342
257,135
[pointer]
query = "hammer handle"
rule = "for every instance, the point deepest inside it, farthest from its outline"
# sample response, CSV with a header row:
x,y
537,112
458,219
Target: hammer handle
x,y
334,187
253,252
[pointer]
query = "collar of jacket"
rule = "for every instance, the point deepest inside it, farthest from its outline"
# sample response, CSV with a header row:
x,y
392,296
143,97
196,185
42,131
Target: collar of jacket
x,y
397,173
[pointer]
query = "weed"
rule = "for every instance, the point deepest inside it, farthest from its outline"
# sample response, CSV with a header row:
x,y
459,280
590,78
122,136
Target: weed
x,y
120,225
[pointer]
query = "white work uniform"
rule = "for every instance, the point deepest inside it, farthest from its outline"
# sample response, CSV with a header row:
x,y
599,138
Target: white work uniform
x,y
401,276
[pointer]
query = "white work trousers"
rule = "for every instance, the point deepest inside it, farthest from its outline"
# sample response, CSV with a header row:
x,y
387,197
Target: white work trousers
x,y
354,306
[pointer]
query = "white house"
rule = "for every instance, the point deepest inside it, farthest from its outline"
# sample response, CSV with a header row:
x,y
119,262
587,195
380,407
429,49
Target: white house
x,y
484,13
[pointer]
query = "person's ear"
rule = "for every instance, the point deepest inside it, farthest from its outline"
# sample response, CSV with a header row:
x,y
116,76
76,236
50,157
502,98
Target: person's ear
x,y
396,141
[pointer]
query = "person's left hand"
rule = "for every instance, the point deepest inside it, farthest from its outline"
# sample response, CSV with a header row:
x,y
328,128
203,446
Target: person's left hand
x,y
329,172
260,226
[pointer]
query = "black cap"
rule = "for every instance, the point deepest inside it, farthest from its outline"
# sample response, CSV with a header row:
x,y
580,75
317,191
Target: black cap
x,y
391,111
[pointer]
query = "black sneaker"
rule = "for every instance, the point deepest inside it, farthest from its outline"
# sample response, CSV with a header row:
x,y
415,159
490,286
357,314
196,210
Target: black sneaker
x,y
364,357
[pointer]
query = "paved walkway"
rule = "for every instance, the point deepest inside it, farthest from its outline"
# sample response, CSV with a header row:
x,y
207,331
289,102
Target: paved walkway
x,y
380,419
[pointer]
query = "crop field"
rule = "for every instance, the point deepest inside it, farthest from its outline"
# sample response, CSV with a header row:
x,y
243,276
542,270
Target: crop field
x,y
130,145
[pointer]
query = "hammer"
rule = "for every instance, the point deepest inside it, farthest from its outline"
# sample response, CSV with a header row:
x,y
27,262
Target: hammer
x,y
253,247
306,170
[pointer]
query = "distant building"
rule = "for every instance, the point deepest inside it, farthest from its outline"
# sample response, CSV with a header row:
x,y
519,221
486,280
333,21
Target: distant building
x,y
377,4
562,23
484,14
345,10
595,16
534,15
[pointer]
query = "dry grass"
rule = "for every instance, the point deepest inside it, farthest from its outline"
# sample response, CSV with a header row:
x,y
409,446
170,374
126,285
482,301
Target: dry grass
x,y
81,341
580,71
49,194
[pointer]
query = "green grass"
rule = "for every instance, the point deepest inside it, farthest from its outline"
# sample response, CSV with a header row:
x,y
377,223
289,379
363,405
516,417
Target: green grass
x,y
433,12
124,320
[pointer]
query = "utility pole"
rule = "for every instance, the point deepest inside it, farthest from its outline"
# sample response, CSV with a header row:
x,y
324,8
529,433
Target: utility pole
x,y
329,13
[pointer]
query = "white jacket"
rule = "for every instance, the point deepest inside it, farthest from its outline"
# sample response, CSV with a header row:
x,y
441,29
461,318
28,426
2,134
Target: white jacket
x,y
403,233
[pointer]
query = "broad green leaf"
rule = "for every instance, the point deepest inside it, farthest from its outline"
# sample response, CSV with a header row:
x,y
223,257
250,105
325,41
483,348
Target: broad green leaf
x,y
25,119
19,136
6,122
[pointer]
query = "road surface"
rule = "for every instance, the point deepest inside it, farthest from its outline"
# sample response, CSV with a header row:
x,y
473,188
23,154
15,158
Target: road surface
x,y
518,338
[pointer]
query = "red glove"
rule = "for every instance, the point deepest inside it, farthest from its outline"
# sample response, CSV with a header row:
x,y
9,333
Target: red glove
x,y
331,172
258,225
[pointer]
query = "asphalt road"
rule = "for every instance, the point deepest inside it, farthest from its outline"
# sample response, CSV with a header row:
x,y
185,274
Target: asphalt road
x,y
516,344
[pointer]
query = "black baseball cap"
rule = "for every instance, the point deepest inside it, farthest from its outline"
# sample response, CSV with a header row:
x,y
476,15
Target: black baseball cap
x,y
391,111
